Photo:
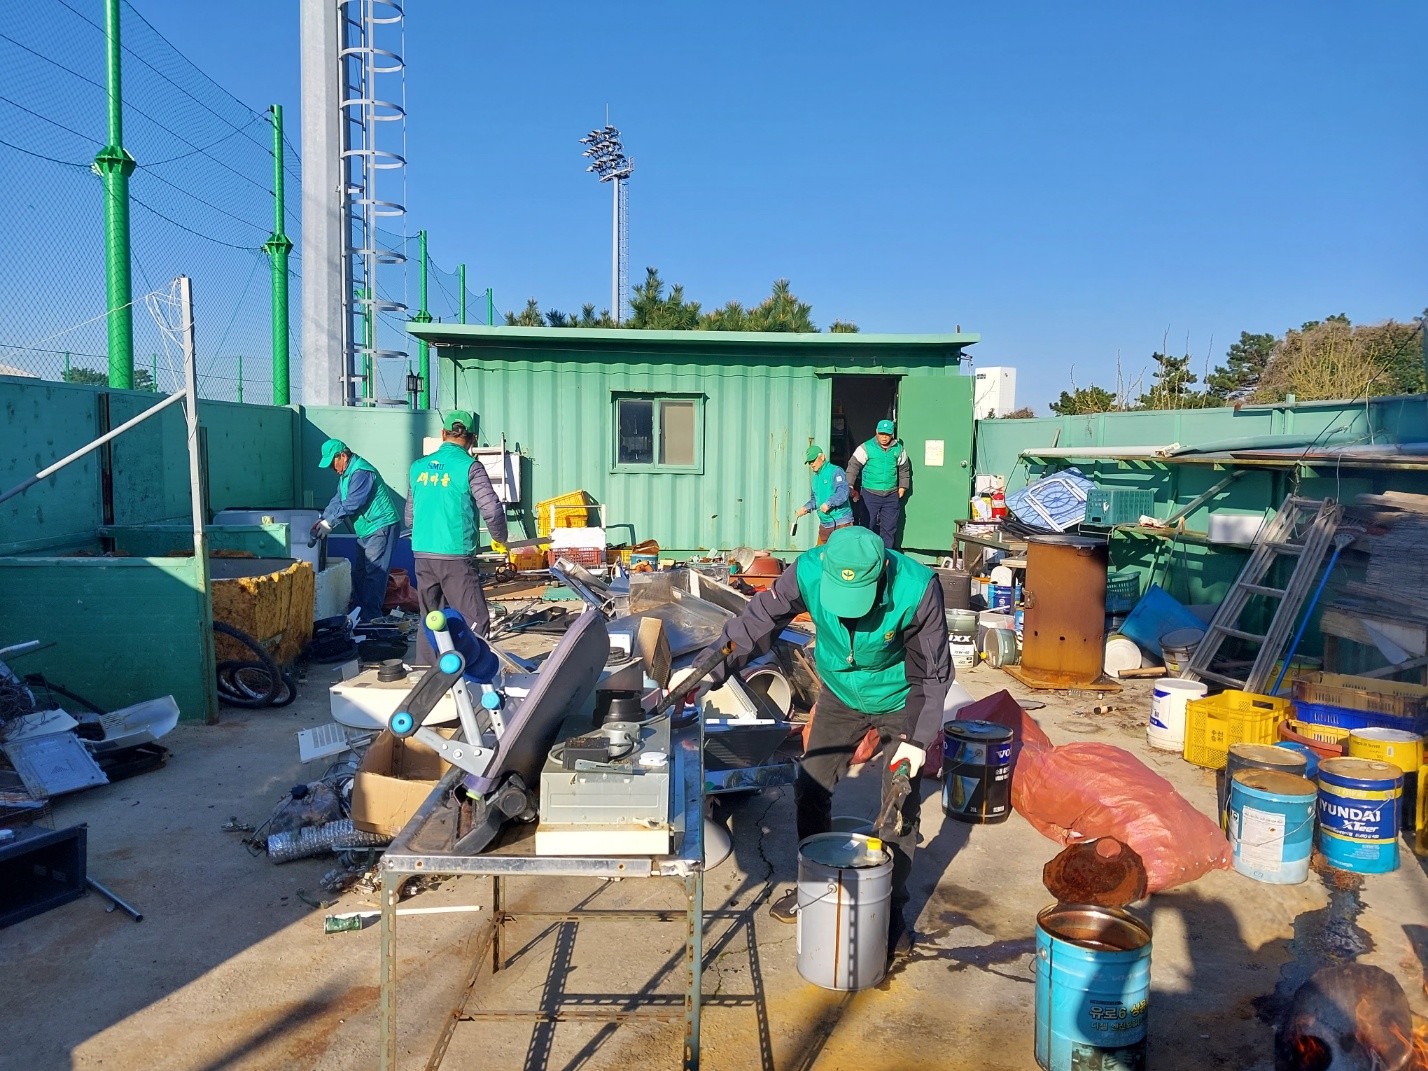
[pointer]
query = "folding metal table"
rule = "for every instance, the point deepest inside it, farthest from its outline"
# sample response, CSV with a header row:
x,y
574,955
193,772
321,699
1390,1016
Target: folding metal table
x,y
423,847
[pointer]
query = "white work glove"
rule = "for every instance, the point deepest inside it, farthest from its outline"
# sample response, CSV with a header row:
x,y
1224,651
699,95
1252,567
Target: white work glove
x,y
913,755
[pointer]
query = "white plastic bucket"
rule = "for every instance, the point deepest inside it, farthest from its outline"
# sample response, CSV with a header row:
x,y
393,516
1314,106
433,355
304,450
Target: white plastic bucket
x,y
1166,730
1122,652
844,909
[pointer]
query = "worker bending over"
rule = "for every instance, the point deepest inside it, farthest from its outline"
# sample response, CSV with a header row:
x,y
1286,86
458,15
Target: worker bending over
x,y
447,490
363,499
830,495
881,472
883,659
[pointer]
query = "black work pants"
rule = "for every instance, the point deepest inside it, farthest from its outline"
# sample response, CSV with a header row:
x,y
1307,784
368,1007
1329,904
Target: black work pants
x,y
449,583
833,738
884,510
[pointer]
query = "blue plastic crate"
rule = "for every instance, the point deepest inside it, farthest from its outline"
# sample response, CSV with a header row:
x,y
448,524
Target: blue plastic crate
x,y
1345,718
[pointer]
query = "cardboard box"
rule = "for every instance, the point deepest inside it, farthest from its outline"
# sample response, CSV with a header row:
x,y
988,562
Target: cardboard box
x,y
394,778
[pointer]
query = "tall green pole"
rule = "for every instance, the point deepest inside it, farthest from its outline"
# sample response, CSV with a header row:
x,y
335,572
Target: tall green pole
x,y
153,371
423,316
115,166
240,377
461,279
278,246
490,307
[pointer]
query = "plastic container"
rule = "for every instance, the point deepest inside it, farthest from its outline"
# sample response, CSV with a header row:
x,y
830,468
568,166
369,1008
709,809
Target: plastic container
x,y
956,588
1122,591
961,623
1359,802
1000,649
963,650
563,511
1328,741
1312,758
1092,988
1122,652
1155,615
1109,506
844,910
1169,697
1360,702
1271,825
1000,597
1178,647
1404,750
1232,717
988,620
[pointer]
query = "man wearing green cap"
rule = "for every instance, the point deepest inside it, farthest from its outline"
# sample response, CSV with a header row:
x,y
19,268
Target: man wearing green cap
x,y
830,495
881,471
364,499
883,659
448,489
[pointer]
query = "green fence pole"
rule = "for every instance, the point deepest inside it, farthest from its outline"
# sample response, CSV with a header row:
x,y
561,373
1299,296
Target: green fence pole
x,y
278,246
461,278
240,377
423,316
66,366
153,371
490,308
115,166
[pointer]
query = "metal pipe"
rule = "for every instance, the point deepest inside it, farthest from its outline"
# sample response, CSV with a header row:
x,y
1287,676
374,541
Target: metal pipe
x,y
423,316
278,246
115,166
207,670
102,891
1092,452
461,285
115,433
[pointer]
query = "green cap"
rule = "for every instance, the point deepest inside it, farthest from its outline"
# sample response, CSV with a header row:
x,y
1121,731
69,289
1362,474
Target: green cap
x,y
331,449
852,562
458,416
885,427
812,454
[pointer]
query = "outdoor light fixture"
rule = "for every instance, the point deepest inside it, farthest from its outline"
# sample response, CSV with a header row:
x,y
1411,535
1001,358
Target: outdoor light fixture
x,y
609,163
414,385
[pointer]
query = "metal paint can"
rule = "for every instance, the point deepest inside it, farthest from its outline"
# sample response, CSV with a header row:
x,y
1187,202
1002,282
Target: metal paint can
x,y
1404,750
1092,988
1272,825
1359,802
976,771
844,910
1254,757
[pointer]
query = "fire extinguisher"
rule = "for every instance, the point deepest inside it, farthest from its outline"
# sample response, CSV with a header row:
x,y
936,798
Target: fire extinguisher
x,y
999,505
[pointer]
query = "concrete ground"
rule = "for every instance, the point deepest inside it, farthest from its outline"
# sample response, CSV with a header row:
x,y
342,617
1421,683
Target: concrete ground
x,y
230,968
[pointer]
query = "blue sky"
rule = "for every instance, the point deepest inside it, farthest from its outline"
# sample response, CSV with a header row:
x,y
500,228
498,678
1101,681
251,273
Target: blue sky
x,y
1071,181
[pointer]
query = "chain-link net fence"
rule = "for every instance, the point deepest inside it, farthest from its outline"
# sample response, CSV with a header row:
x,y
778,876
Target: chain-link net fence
x,y
201,204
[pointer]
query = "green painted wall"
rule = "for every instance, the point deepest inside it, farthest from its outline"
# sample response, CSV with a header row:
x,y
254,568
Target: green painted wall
x,y
390,439
551,392
1195,573
123,628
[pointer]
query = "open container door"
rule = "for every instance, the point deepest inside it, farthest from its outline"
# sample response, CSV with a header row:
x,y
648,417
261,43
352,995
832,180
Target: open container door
x,y
934,421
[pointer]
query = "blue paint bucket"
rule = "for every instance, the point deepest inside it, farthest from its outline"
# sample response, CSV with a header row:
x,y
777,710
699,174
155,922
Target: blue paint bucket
x,y
1359,801
1272,825
999,596
1092,988
1310,756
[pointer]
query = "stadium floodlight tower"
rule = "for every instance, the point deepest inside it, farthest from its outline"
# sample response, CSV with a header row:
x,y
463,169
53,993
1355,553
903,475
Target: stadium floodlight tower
x,y
609,162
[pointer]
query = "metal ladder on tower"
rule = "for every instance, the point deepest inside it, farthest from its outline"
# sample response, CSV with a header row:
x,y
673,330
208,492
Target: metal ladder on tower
x,y
1303,528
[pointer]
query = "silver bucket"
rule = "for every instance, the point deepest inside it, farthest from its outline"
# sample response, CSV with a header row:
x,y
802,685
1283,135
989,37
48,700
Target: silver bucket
x,y
844,908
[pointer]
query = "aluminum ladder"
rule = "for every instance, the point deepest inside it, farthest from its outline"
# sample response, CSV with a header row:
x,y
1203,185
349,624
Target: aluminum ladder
x,y
1303,528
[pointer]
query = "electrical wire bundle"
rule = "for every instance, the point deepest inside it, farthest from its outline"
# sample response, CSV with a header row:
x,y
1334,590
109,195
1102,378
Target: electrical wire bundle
x,y
255,682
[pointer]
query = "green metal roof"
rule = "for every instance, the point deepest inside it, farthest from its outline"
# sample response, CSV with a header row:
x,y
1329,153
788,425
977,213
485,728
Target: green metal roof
x,y
822,343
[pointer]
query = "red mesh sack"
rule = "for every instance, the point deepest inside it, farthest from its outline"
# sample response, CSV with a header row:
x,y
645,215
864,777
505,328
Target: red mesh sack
x,y
1005,711
1083,791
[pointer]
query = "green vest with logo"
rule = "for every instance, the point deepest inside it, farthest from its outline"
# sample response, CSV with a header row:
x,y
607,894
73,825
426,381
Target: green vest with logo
x,y
443,515
823,487
880,472
865,669
381,509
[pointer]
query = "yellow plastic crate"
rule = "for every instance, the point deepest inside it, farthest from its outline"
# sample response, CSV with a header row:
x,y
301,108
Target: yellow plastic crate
x,y
1325,734
563,511
1214,724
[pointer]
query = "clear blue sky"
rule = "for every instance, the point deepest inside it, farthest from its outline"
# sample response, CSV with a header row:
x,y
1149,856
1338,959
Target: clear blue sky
x,y
1068,180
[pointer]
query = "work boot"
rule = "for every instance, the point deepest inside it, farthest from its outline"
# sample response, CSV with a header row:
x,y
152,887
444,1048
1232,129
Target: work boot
x,y
901,938
785,908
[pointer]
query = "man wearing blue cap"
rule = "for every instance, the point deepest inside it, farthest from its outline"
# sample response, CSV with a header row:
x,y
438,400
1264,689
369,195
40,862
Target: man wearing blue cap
x,y
881,472
363,499
883,659
448,489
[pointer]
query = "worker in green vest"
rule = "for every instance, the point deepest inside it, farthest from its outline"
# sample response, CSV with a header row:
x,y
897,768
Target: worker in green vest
x,y
880,471
883,658
830,495
448,489
365,501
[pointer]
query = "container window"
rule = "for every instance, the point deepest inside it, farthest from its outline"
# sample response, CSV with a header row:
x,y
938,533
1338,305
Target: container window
x,y
659,432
